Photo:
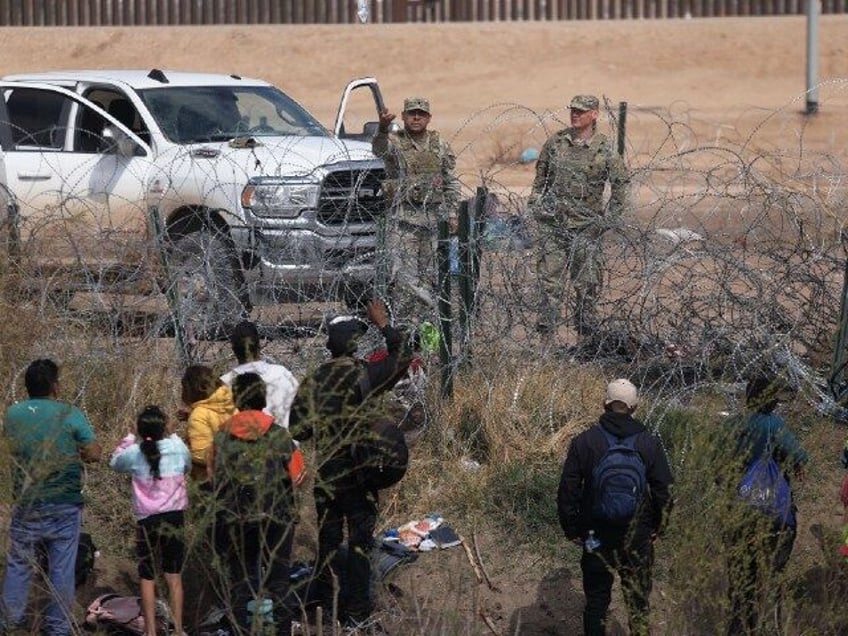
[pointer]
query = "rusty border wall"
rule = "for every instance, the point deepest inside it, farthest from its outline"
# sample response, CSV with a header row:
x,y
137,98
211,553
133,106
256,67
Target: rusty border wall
x,y
209,12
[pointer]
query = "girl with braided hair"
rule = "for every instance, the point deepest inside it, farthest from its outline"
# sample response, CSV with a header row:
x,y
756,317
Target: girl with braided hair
x,y
158,461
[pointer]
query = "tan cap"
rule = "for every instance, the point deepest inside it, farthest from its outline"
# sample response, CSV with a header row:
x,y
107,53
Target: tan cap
x,y
622,390
416,103
584,102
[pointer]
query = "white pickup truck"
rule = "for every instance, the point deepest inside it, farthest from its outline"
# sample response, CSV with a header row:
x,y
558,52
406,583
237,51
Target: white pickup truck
x,y
254,199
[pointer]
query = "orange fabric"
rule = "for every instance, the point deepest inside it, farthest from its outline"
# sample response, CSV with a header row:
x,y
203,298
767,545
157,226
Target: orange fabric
x,y
251,425
297,467
248,425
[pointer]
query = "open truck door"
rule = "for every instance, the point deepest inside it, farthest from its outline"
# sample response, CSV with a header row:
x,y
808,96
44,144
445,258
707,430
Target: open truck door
x,y
76,177
359,110
9,216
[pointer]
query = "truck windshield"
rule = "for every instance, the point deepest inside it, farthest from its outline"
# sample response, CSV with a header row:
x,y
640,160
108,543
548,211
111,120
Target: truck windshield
x,y
194,114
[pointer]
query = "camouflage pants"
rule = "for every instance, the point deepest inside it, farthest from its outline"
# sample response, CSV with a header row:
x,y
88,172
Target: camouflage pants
x,y
577,263
410,251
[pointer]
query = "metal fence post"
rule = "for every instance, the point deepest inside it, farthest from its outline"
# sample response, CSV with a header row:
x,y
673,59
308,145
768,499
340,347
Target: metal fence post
x,y
465,286
445,321
622,127
837,368
471,225
381,275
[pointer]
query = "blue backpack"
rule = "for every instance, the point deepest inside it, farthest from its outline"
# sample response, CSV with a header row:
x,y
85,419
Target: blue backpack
x,y
619,480
764,488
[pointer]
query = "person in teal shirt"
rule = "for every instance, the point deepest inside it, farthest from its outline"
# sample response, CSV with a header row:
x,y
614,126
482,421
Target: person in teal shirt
x,y
760,547
48,441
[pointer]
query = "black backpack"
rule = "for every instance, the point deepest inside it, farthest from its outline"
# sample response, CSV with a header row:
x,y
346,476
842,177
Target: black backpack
x,y
619,480
84,565
380,457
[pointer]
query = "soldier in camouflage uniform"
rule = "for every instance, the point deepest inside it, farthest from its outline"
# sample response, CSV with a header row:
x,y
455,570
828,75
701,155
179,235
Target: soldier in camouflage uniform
x,y
567,203
422,188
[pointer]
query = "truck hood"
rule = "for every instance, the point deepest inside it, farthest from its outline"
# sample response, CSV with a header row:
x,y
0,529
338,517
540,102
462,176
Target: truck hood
x,y
281,156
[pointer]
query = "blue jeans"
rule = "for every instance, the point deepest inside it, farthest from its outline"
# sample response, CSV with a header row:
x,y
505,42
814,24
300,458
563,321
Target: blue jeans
x,y
57,527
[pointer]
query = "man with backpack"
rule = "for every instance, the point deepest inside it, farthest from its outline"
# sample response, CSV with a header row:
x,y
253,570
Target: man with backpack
x,y
329,408
614,497
761,533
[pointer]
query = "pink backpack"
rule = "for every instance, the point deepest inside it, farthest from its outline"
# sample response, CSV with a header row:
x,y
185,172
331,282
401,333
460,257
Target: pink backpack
x,y
117,613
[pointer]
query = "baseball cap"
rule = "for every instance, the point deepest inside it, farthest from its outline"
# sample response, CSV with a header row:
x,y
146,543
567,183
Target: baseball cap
x,y
343,333
622,390
584,102
416,103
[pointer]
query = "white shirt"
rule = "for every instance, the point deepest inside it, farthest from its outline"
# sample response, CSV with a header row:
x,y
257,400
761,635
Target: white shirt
x,y
280,387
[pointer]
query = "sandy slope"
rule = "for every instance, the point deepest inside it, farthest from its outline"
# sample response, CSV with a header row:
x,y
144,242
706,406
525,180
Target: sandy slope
x,y
495,86
711,63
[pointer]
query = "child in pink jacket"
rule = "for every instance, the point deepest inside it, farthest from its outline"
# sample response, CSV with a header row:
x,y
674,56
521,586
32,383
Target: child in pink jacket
x,y
158,462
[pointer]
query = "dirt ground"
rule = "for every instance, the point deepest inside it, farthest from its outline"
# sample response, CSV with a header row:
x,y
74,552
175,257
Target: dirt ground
x,y
494,85
493,88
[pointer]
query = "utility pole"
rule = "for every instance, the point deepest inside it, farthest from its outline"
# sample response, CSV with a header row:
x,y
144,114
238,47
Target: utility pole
x,y
812,57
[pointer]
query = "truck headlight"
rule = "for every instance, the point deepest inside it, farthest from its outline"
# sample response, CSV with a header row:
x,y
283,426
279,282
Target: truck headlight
x,y
279,198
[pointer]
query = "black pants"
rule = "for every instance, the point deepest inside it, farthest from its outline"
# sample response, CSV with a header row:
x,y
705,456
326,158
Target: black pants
x,y
161,536
258,555
633,562
756,554
352,568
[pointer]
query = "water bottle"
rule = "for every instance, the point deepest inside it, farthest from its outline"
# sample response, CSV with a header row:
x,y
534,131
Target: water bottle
x,y
453,253
592,543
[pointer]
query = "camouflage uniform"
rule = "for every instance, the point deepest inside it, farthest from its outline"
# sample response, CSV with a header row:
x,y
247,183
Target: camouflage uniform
x,y
422,188
567,203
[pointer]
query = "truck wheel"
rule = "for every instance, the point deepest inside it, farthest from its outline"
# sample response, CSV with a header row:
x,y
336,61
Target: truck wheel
x,y
209,288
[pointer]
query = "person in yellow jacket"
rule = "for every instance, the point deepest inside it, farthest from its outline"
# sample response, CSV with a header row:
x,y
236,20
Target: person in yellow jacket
x,y
211,404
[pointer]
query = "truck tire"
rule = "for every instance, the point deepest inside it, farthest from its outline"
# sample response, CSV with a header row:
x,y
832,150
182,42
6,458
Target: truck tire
x,y
208,286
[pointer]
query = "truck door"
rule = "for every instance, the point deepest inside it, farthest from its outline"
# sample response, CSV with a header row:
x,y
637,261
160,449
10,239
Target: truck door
x,y
78,176
8,206
359,109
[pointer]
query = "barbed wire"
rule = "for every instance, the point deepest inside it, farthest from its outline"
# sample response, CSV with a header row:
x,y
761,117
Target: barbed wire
x,y
730,258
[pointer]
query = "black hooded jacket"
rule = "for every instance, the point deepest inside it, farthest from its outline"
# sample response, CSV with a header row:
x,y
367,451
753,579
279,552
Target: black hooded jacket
x,y
328,404
575,497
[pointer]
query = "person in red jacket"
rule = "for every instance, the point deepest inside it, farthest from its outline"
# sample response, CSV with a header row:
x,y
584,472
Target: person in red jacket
x,y
623,544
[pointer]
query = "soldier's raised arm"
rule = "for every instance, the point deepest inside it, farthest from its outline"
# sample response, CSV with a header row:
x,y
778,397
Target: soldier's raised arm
x,y
381,145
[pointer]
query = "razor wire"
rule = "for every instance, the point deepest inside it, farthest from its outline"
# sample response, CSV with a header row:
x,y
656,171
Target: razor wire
x,y
729,260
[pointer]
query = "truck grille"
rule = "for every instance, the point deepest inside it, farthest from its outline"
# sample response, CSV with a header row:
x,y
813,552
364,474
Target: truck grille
x,y
351,196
